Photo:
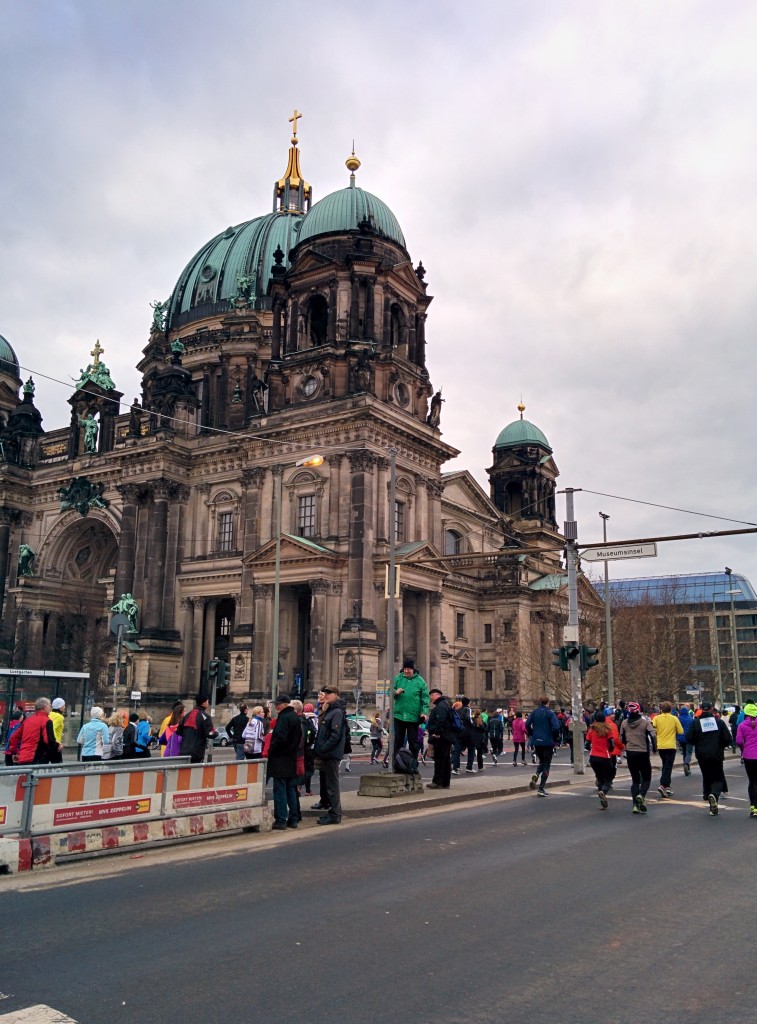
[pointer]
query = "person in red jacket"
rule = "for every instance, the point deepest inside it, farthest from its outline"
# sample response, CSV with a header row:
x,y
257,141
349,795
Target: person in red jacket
x,y
34,742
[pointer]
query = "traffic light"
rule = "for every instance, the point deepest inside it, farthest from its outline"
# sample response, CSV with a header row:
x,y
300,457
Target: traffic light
x,y
560,658
213,671
588,657
571,651
222,686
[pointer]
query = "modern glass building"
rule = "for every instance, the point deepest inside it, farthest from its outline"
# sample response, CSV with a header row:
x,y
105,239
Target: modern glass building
x,y
712,618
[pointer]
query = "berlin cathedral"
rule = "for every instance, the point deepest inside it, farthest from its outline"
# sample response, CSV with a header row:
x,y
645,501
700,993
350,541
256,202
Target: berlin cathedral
x,y
286,398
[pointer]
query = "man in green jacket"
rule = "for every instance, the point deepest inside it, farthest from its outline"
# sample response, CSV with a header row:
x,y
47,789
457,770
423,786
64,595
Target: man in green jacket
x,y
411,700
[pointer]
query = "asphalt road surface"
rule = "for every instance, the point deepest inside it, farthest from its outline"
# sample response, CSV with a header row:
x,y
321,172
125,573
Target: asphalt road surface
x,y
512,910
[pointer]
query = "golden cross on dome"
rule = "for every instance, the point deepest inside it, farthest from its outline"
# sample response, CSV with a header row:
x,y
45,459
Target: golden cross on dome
x,y
97,351
295,118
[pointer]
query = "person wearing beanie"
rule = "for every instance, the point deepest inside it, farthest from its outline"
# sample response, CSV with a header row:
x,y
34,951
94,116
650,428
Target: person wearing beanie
x,y
668,729
93,736
57,717
746,741
639,738
195,729
411,700
711,737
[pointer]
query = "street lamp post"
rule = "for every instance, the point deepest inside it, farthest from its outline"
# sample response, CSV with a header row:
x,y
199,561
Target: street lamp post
x,y
390,601
313,460
734,642
608,622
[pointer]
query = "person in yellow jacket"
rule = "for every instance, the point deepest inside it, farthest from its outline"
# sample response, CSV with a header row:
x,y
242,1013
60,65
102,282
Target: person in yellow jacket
x,y
58,718
668,728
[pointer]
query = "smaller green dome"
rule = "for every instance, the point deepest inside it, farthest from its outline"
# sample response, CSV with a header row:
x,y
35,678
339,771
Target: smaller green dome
x,y
521,432
7,355
344,210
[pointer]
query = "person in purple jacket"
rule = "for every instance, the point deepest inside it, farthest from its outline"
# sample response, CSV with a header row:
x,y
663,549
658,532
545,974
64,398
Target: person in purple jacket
x,y
746,741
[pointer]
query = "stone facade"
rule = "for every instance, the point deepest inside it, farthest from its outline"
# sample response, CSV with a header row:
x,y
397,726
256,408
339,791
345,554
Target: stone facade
x,y
177,498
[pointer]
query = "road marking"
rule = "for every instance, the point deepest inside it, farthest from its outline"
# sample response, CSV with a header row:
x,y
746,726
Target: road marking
x,y
39,1014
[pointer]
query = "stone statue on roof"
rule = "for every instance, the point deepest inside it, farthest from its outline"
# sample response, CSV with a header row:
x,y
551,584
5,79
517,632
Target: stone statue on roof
x,y
159,314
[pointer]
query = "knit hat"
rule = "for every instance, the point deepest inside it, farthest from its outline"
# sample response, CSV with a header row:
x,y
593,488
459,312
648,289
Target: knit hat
x,y
311,708
96,712
750,710
59,703
633,708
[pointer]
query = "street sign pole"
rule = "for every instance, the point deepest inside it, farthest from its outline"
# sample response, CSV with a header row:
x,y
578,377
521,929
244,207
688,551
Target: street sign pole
x,y
571,632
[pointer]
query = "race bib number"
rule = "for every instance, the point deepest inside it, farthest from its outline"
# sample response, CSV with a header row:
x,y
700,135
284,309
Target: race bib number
x,y
709,724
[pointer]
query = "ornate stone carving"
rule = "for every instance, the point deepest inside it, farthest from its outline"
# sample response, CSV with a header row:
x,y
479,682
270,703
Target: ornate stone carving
x,y
130,493
252,477
262,591
435,488
361,461
320,586
82,495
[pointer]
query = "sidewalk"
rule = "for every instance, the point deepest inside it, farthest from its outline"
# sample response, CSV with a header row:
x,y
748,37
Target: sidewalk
x,y
493,782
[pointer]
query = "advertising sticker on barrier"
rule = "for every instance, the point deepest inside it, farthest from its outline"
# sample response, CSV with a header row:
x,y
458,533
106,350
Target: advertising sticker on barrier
x,y
83,814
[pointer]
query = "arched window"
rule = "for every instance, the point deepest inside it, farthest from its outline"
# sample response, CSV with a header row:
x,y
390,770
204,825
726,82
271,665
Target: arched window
x,y
318,320
396,325
453,542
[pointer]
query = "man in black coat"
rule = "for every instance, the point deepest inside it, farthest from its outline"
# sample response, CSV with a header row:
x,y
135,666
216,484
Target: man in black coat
x,y
441,733
195,729
286,743
710,736
329,749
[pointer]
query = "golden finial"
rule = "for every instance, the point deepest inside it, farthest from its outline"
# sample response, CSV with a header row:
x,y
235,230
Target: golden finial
x,y
296,115
352,163
521,408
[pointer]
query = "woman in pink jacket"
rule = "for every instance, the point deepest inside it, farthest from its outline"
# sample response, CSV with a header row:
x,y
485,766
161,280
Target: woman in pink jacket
x,y
746,740
519,739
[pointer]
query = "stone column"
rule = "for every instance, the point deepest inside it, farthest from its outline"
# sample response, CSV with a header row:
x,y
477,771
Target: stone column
x,y
276,332
252,481
157,542
420,341
423,526
195,643
331,324
294,321
179,495
435,639
354,307
8,518
334,463
369,327
435,489
262,595
361,534
382,501
319,590
124,582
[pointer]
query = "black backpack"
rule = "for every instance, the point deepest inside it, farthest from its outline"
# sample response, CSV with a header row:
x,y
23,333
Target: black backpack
x,y
405,763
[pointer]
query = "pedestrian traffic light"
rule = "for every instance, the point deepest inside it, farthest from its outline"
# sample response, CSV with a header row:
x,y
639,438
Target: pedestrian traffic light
x,y
588,657
213,671
222,686
571,651
560,658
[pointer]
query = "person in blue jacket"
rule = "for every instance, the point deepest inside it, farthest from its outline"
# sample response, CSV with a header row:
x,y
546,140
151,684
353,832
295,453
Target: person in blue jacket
x,y
543,726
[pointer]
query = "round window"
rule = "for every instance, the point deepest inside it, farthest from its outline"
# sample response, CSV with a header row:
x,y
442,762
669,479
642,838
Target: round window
x,y
309,386
402,393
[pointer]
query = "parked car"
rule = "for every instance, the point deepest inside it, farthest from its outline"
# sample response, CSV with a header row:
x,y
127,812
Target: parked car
x,y
221,738
360,730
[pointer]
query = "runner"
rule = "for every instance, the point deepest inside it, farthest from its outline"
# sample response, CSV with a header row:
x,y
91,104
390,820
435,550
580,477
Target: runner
x,y
638,736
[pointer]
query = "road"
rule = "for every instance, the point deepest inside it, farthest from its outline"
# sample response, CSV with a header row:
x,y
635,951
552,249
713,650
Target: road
x,y
517,910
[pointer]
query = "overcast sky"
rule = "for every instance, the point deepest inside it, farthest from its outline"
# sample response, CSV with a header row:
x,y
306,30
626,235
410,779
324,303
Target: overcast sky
x,y
578,179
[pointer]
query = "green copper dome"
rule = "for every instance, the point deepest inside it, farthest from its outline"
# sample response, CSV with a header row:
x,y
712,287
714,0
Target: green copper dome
x,y
8,359
344,210
211,279
521,432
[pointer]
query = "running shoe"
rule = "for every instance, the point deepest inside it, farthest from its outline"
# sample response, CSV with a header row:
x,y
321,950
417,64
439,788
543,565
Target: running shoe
x,y
713,802
635,809
602,799
668,791
753,812
455,771
641,804
533,782
470,771
662,791
541,792
686,770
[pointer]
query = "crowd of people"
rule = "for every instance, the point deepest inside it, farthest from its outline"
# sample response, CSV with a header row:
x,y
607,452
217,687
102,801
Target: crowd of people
x,y
299,739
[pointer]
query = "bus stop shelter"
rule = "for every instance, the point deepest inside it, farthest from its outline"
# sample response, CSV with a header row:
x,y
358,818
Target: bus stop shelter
x,y
21,687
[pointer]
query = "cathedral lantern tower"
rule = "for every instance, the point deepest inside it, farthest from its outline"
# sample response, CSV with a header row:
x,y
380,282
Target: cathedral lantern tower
x,y
523,476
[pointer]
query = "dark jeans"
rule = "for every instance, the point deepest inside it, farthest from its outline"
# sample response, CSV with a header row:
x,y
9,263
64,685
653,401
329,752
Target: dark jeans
x,y
477,753
330,789
91,757
286,805
522,752
667,756
751,773
409,730
443,763
376,747
496,743
713,777
604,772
544,755
640,767
457,748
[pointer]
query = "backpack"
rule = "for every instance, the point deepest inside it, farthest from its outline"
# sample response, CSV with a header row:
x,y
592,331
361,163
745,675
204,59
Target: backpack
x,y
457,724
405,763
